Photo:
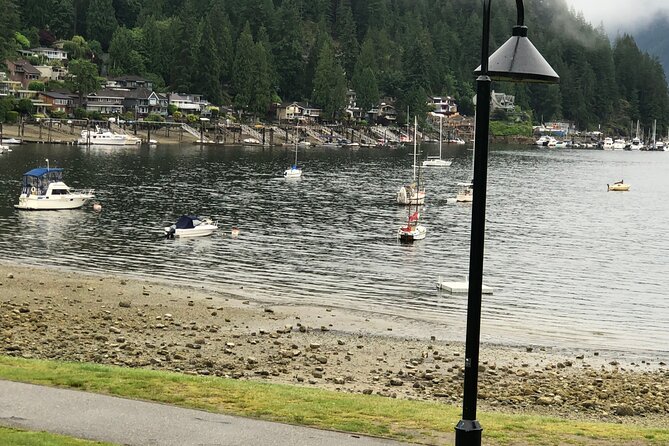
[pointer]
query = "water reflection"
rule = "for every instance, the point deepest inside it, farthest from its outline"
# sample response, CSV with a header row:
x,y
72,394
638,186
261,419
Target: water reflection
x,y
570,262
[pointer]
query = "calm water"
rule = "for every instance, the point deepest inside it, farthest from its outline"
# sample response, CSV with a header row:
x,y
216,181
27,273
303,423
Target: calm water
x,y
572,264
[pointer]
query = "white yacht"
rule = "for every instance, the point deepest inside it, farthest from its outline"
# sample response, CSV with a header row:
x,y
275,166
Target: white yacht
x,y
43,189
636,144
608,144
106,137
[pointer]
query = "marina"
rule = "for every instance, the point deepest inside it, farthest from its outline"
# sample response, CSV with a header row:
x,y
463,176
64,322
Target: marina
x,y
328,239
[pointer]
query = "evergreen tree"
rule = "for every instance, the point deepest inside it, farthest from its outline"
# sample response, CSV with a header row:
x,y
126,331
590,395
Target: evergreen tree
x,y
208,79
329,84
83,78
345,33
101,21
222,35
364,80
243,69
288,51
9,23
124,55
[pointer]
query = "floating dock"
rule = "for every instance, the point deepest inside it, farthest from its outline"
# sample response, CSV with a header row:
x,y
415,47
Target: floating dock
x,y
460,287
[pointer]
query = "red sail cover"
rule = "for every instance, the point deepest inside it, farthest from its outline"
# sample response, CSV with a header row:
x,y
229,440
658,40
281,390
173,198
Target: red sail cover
x,y
413,217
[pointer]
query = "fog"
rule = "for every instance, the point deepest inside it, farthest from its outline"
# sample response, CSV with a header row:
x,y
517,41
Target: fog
x,y
620,15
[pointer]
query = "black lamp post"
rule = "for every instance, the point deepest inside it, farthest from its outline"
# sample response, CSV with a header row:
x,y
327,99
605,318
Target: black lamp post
x,y
516,61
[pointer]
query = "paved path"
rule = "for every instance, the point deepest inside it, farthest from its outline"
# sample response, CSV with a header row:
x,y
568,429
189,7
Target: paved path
x,y
130,422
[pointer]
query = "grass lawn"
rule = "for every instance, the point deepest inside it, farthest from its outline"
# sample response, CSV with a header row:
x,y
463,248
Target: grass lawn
x,y
413,421
15,437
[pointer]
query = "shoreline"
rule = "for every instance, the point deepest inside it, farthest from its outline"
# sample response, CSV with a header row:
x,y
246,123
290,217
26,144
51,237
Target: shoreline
x,y
114,320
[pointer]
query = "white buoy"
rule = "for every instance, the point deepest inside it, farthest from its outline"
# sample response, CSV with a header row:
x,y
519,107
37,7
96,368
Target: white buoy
x,y
97,207
234,232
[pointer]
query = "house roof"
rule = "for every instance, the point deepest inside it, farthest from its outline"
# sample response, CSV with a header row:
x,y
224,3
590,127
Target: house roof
x,y
128,77
107,93
27,67
55,95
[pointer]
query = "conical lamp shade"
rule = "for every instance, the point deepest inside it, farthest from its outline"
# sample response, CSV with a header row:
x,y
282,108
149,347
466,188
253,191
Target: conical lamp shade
x,y
519,61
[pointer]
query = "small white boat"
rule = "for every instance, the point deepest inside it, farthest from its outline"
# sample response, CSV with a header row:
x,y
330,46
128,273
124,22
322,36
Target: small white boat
x,y
619,186
619,144
456,140
412,194
191,226
4,149
43,189
102,137
465,193
636,144
293,171
413,230
436,161
251,141
607,144
6,141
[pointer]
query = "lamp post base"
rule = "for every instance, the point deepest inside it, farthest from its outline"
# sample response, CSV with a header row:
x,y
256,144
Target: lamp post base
x,y
468,433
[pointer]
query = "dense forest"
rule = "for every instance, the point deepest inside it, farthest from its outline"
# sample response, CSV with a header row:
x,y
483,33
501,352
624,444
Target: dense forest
x,y
251,53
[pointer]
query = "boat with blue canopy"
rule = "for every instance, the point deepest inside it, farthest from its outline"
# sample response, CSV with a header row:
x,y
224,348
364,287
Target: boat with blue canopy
x,y
43,189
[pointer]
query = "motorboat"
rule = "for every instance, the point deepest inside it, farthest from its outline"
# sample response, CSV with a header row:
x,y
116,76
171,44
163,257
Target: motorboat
x,y
436,161
304,144
104,137
412,193
619,186
191,226
4,149
465,193
6,141
608,144
619,144
636,144
251,141
43,189
456,140
413,230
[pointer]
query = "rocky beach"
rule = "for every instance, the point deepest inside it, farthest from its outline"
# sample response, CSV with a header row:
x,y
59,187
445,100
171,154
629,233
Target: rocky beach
x,y
123,321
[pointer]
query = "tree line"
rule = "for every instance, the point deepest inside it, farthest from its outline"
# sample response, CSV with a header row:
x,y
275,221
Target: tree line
x,y
252,53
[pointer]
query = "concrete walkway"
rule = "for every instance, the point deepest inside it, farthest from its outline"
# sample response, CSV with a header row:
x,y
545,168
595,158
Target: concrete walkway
x,y
130,422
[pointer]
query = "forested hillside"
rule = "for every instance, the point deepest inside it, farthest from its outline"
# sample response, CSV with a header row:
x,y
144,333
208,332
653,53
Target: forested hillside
x,y
250,53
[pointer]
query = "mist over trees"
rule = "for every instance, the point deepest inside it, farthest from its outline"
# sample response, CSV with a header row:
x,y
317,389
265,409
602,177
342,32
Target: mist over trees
x,y
254,52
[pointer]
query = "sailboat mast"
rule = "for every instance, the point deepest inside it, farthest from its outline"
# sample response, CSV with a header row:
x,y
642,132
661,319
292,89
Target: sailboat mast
x,y
296,142
441,120
415,126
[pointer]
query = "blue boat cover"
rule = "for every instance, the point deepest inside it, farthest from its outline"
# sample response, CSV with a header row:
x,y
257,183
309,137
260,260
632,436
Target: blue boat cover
x,y
186,222
41,171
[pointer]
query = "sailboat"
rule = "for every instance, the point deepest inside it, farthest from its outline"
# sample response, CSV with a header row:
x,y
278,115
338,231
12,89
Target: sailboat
x,y
465,192
636,143
413,230
436,161
412,193
293,171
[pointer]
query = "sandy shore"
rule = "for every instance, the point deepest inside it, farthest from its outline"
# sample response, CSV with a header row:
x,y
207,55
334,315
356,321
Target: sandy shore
x,y
53,314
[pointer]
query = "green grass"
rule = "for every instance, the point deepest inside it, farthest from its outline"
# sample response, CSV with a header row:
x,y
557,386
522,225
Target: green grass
x,y
15,437
424,422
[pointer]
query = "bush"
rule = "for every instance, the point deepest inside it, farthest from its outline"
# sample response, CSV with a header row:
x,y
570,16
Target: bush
x,y
501,128
177,115
191,118
58,114
80,113
95,115
11,117
154,117
36,86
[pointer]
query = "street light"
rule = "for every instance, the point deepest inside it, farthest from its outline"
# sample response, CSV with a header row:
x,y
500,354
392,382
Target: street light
x,y
515,61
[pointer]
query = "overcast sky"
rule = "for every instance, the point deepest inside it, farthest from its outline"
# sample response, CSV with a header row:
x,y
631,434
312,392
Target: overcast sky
x,y
619,14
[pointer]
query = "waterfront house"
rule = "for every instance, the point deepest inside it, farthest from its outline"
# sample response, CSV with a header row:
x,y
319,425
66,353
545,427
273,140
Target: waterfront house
x,y
106,102
22,71
384,114
143,102
8,87
187,103
129,82
57,101
443,105
297,111
502,101
50,54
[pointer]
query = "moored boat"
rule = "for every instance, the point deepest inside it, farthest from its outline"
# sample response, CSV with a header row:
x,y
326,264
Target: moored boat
x,y
103,137
619,186
43,189
191,226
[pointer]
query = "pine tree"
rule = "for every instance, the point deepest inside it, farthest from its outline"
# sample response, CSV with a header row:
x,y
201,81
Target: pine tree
x,y
208,78
244,69
329,84
101,21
